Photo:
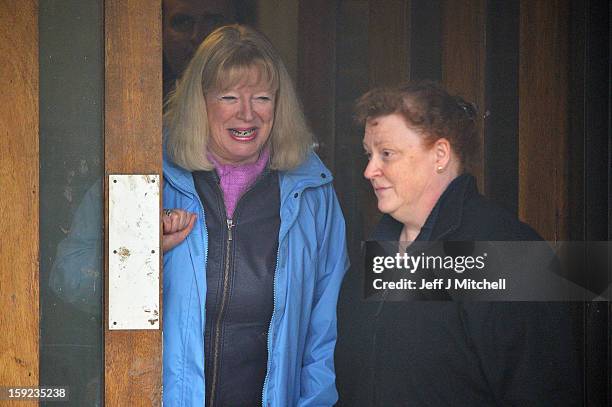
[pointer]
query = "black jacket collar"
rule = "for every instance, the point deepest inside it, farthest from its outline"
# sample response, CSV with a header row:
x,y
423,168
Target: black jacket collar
x,y
449,210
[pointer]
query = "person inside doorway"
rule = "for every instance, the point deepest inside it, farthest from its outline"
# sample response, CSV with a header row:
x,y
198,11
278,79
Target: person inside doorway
x,y
185,24
254,238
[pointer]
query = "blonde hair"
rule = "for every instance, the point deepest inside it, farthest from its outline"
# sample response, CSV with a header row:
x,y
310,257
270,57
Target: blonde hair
x,y
223,60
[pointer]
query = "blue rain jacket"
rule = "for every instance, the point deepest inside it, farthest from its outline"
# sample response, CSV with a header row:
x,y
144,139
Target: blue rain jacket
x,y
312,260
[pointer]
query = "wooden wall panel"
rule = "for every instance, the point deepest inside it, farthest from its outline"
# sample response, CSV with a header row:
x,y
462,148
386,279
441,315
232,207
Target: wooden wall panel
x,y
425,60
133,129
353,192
389,42
19,188
500,147
543,120
316,71
463,61
278,19
351,82
388,64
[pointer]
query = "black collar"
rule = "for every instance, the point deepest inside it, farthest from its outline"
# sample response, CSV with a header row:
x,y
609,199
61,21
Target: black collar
x,y
449,210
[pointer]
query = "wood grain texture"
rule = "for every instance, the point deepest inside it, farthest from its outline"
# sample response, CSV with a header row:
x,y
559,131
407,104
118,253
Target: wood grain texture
x,y
388,64
278,19
463,62
543,122
352,80
133,134
388,42
19,187
316,71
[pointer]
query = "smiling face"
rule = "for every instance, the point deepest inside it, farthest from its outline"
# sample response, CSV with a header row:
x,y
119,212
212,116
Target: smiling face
x,y
240,119
401,168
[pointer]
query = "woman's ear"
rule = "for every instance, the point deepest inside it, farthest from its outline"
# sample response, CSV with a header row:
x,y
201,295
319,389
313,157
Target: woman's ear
x,y
442,151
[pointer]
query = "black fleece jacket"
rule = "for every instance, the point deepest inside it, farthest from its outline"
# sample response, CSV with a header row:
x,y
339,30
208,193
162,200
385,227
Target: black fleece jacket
x,y
442,353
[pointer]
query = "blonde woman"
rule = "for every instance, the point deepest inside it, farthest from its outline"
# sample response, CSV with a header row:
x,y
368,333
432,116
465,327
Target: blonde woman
x,y
254,238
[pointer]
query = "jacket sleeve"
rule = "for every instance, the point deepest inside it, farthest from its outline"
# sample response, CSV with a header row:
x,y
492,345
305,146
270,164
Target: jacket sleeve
x,y
77,269
318,387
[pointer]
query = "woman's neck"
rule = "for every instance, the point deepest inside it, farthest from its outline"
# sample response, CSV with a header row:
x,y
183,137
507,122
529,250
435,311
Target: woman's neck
x,y
409,234
414,219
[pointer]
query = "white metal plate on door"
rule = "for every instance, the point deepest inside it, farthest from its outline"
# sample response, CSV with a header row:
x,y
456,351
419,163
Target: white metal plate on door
x,y
133,252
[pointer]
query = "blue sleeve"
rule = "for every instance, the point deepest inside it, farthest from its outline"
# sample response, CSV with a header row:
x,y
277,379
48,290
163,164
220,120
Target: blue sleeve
x,y
318,378
77,271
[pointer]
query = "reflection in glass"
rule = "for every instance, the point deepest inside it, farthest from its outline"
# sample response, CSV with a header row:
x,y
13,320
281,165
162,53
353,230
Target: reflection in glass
x,y
71,150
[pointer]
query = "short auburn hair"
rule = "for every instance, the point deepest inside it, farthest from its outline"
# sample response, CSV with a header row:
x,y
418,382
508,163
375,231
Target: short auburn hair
x,y
428,109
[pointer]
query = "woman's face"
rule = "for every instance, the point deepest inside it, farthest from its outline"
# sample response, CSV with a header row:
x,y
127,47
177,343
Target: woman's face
x,y
401,168
240,120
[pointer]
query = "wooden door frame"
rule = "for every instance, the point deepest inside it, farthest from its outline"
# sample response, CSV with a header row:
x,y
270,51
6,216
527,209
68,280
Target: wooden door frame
x,y
19,217
133,145
133,139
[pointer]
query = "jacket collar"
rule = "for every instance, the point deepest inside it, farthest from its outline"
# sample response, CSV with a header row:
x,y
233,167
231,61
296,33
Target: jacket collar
x,y
310,174
179,177
449,210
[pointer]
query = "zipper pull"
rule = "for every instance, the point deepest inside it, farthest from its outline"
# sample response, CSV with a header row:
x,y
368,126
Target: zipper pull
x,y
230,225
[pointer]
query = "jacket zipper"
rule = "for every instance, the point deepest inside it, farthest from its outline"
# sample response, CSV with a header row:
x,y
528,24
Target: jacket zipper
x,y
217,338
263,391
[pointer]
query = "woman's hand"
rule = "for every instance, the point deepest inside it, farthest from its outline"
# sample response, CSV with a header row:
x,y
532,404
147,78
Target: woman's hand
x,y
177,224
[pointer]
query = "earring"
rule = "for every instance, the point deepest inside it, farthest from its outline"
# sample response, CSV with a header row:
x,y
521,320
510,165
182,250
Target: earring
x,y
440,169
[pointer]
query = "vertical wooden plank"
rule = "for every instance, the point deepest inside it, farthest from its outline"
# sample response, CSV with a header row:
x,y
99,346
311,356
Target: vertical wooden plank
x,y
354,192
133,131
463,61
351,82
426,39
278,19
388,64
389,42
577,106
316,71
500,148
19,300
543,123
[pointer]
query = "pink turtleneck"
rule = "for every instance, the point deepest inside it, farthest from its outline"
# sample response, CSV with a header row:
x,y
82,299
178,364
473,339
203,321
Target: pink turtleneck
x,y
236,179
